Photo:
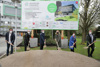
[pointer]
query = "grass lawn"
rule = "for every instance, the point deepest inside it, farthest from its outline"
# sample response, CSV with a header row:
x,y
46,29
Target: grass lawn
x,y
79,49
67,18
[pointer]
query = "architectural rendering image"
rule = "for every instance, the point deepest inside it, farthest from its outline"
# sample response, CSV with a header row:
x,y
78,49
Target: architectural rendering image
x,y
66,11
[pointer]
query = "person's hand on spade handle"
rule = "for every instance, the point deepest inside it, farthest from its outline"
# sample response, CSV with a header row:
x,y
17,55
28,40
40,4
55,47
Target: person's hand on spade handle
x,y
73,44
94,41
11,44
89,45
6,41
45,43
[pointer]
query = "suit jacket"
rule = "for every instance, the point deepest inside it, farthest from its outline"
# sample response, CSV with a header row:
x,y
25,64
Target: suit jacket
x,y
89,39
42,38
26,38
12,38
74,42
58,37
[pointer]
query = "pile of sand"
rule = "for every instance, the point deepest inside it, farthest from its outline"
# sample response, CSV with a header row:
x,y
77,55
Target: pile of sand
x,y
48,58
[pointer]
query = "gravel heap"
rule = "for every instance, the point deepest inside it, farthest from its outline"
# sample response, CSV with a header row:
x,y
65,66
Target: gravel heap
x,y
48,58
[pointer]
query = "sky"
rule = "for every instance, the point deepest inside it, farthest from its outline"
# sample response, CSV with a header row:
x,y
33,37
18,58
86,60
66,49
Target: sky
x,y
7,0
69,2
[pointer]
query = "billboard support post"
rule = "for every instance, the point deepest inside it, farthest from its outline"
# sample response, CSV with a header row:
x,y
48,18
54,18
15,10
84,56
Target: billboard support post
x,y
15,25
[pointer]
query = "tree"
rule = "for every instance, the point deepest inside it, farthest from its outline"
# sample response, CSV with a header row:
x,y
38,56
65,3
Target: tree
x,y
68,34
16,1
88,16
75,12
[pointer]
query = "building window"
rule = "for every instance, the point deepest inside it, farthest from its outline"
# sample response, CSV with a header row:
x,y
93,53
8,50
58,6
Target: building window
x,y
6,22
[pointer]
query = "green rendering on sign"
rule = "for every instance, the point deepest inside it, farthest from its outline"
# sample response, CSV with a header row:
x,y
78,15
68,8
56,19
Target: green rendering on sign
x,y
52,7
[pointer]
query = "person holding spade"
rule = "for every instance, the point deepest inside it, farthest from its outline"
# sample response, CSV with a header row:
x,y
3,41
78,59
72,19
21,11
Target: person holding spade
x,y
72,42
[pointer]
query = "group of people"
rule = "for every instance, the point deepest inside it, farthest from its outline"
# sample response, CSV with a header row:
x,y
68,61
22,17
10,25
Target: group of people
x,y
91,39
10,38
27,39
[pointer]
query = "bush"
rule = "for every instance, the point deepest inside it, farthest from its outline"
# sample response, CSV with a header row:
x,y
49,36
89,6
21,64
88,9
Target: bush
x,y
71,17
50,42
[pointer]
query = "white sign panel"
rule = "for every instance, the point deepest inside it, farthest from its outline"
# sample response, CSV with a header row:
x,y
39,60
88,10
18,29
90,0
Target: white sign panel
x,y
50,15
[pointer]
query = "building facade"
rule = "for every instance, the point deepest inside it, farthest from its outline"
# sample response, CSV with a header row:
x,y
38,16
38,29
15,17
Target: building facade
x,y
7,16
66,10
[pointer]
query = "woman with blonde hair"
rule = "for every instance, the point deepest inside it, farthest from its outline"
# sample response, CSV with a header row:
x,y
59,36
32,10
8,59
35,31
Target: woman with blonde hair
x,y
58,39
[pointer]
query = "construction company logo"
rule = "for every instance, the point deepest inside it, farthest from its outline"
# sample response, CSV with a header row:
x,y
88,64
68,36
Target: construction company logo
x,y
52,7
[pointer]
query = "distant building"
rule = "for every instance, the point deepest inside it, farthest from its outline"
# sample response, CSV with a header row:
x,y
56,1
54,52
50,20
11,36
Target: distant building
x,y
67,9
58,3
7,17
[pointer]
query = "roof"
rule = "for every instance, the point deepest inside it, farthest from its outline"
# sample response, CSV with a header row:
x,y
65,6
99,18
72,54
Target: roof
x,y
70,5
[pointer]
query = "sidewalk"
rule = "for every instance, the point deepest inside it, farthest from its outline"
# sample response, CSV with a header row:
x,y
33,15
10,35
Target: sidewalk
x,y
3,45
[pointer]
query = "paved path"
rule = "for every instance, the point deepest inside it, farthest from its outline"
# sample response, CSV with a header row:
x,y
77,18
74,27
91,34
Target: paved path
x,y
3,45
48,58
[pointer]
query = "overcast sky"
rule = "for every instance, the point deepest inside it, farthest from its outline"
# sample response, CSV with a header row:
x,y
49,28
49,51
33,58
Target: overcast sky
x,y
7,0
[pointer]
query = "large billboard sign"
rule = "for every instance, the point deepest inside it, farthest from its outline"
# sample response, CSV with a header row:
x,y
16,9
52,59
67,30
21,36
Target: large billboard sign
x,y
62,15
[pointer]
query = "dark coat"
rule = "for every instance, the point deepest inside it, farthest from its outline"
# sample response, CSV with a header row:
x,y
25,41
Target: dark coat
x,y
12,37
58,38
89,39
75,43
26,38
42,38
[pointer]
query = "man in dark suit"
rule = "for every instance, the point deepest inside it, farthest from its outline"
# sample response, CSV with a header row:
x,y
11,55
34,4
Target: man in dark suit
x,y
42,39
91,39
26,39
10,38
